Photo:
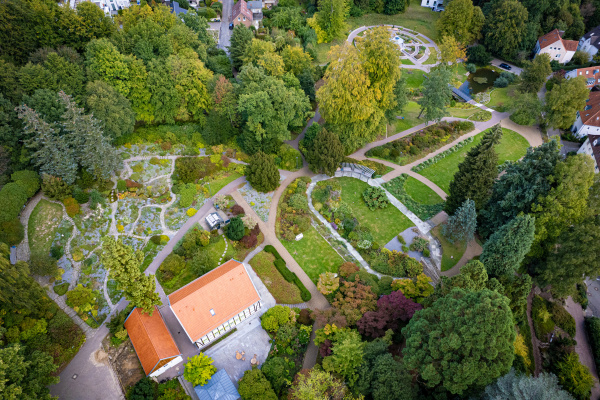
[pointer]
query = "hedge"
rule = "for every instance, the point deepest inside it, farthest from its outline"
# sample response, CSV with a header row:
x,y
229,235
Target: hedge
x,y
592,326
563,319
287,274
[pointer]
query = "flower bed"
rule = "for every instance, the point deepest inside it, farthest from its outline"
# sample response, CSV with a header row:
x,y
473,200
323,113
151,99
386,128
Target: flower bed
x,y
260,202
293,214
409,148
442,155
149,169
149,222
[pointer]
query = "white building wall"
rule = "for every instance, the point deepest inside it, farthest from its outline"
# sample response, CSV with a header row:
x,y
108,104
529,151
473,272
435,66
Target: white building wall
x,y
586,148
165,367
229,325
556,51
431,3
585,45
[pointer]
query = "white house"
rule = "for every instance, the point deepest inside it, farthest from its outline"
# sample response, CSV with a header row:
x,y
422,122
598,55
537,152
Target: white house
x,y
590,42
591,146
431,3
556,47
108,6
588,119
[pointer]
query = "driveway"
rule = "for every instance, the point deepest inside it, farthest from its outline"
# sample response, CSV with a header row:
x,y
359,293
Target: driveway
x,y
593,291
515,70
225,33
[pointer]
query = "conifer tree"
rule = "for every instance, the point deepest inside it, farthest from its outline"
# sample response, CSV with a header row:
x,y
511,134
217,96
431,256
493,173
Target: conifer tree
x,y
476,174
462,225
262,173
326,154
505,249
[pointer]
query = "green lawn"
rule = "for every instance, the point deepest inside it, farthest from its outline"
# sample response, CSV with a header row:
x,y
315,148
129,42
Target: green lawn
x,y
314,254
220,183
512,147
420,192
501,98
451,253
384,223
461,112
432,56
322,50
420,19
41,229
283,291
406,61
414,78
410,114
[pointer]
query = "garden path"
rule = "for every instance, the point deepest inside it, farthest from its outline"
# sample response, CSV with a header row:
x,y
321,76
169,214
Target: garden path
x,y
583,347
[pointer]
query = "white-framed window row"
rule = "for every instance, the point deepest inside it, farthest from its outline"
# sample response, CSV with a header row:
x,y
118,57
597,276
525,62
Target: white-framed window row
x,y
229,325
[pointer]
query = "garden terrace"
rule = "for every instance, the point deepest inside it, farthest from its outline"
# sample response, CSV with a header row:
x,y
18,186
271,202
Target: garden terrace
x,y
512,147
367,230
427,140
416,196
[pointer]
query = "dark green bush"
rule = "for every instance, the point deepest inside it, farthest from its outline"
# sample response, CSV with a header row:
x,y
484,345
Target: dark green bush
x,y
542,318
283,270
61,289
562,318
235,229
592,326
581,295
80,195
287,274
121,185
270,249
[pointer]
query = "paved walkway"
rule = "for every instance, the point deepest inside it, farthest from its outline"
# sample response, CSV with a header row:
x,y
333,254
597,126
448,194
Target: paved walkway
x,y
583,347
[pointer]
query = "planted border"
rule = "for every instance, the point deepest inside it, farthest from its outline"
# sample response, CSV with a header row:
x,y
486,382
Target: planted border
x,y
287,274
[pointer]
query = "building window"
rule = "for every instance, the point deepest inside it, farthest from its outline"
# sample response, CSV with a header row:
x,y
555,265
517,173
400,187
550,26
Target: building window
x,y
244,18
238,18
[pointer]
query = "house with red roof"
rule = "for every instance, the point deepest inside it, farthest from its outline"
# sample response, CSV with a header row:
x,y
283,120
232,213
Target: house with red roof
x,y
216,302
588,119
152,341
591,147
241,14
591,75
556,47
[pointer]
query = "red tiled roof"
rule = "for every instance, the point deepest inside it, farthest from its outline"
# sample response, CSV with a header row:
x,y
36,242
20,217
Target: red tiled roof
x,y
226,290
240,8
590,73
150,338
595,149
591,116
555,36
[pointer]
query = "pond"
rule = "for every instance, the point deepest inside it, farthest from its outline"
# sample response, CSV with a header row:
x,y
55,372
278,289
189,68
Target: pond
x,y
480,81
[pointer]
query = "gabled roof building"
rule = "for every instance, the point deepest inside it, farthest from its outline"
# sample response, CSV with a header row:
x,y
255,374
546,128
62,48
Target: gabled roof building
x,y
219,387
591,75
215,303
588,119
556,47
591,146
590,42
152,341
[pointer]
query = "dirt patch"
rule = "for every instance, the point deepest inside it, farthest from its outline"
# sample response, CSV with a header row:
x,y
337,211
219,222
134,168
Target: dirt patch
x,y
124,362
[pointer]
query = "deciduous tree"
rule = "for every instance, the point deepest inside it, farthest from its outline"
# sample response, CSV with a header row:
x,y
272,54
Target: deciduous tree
x,y
461,20
331,17
199,369
564,101
347,355
12,198
535,73
436,94
505,27
463,334
451,50
254,385
111,108
317,384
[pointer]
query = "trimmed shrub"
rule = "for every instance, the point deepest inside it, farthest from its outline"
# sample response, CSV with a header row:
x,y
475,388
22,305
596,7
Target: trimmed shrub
x,y
61,289
563,319
12,232
191,212
270,249
121,185
71,206
235,230
80,195
592,326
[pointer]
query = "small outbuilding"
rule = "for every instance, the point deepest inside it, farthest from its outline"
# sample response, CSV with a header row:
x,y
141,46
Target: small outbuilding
x,y
214,221
219,387
152,341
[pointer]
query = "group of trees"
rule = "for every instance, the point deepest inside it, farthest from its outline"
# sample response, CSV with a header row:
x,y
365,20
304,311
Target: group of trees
x,y
510,28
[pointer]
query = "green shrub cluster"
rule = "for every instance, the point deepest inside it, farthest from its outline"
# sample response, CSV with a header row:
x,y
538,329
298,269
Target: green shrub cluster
x,y
61,289
542,319
481,116
294,215
562,318
287,274
423,211
580,296
426,140
288,158
375,198
442,155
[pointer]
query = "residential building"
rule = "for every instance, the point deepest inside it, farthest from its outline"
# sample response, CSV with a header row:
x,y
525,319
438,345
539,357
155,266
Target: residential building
x,y
588,119
176,9
590,42
431,3
219,387
152,341
216,302
268,4
556,47
256,8
591,146
591,74
240,14
110,7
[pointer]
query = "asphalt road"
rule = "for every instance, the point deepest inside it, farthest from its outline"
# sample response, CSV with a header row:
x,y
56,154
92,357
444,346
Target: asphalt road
x,y
224,32
593,290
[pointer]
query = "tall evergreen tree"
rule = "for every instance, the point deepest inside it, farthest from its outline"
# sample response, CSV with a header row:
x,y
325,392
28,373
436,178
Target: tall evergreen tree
x,y
326,154
241,37
476,174
518,189
506,248
262,173
523,387
436,94
462,225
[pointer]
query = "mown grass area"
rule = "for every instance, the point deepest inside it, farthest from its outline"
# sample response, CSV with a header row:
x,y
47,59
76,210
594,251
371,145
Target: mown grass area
x,y
512,147
283,291
41,229
433,56
420,192
417,18
414,78
314,254
502,98
384,223
220,183
451,252
406,61
410,114
323,48
461,112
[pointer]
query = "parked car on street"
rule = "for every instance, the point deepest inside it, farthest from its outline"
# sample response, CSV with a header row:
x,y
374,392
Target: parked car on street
x,y
505,66
231,26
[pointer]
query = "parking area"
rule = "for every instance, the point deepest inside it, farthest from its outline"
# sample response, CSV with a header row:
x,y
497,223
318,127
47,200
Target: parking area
x,y
593,291
514,69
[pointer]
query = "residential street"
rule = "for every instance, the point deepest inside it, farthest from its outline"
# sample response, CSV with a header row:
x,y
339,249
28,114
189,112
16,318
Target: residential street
x,y
225,33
